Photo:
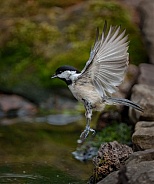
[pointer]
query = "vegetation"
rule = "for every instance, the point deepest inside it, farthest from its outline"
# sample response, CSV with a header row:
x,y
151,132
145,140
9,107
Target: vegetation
x,y
38,36
120,132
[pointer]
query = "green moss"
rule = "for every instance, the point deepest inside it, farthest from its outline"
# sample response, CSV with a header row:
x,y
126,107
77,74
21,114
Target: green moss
x,y
116,132
42,39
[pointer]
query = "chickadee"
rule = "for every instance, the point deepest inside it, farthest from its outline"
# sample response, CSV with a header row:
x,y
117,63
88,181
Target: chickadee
x,y
103,72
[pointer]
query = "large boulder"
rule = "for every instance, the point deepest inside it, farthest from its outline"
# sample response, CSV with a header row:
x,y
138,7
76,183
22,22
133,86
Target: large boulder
x,y
139,169
143,136
144,96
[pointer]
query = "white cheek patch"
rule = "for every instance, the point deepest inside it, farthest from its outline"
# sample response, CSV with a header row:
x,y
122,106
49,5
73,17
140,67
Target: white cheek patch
x,y
64,75
69,75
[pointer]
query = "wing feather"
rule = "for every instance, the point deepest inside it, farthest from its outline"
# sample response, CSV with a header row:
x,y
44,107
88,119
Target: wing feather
x,y
108,61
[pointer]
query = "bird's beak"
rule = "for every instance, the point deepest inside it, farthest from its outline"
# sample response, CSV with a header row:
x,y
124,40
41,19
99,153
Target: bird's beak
x,y
54,76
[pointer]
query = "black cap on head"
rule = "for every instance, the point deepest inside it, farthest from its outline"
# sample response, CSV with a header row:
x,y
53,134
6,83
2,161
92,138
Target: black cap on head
x,y
66,67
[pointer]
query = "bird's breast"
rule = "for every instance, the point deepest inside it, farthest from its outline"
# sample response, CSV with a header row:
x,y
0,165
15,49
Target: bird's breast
x,y
87,92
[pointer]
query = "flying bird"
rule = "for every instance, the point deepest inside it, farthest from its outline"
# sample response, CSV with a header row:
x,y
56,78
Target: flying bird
x,y
103,73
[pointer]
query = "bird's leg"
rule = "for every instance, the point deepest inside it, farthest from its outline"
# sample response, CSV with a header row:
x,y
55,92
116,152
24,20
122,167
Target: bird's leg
x,y
88,115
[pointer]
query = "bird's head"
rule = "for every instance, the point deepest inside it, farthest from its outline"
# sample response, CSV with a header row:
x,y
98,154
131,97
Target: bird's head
x,y
66,73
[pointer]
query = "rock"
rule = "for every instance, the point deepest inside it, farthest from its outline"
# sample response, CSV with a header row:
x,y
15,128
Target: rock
x,y
140,156
139,169
144,96
143,136
109,158
146,74
146,10
141,173
110,179
14,105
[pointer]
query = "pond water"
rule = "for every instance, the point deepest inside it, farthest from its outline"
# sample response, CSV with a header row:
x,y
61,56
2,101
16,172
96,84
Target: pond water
x,y
41,153
35,173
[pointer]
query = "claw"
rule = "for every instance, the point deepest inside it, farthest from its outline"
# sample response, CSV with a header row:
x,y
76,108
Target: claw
x,y
93,131
85,133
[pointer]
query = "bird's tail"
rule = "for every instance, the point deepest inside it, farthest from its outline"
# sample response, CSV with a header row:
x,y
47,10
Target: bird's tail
x,y
122,101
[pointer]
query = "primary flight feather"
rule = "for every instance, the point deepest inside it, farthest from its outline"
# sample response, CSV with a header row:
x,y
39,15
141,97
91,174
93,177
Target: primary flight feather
x,y
102,74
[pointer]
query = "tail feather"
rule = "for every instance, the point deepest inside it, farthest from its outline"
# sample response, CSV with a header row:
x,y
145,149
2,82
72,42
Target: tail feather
x,y
122,101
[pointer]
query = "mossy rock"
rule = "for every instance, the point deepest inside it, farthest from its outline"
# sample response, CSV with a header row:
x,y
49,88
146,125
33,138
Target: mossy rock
x,y
36,39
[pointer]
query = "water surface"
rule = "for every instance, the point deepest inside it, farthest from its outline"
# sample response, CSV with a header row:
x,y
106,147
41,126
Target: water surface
x,y
41,153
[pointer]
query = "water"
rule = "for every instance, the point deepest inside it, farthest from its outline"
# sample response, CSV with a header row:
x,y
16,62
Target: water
x,y
34,174
41,153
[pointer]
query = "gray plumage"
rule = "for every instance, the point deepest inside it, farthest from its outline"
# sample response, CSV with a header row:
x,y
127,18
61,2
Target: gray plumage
x,y
102,74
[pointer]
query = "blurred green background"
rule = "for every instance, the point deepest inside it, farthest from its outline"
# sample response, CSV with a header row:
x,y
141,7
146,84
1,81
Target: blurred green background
x,y
37,36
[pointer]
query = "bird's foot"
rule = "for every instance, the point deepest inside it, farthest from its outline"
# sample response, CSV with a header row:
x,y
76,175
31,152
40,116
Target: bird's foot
x,y
85,133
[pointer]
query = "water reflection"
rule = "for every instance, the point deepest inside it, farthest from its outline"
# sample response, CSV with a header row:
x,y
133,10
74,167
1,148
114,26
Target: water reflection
x,y
41,153
59,119
56,119
34,174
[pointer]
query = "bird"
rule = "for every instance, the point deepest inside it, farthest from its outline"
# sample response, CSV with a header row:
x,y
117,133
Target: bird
x,y
102,74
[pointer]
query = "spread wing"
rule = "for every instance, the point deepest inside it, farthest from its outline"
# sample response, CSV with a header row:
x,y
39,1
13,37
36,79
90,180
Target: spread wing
x,y
108,61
